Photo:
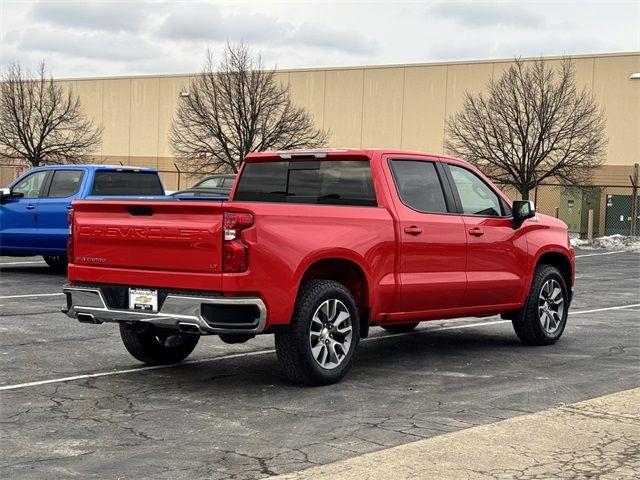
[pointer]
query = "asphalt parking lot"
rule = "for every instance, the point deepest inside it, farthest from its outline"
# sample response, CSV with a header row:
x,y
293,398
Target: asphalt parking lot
x,y
229,413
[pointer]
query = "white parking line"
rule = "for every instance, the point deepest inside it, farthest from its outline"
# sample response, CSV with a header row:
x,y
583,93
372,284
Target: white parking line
x,y
131,370
620,307
32,295
602,253
263,352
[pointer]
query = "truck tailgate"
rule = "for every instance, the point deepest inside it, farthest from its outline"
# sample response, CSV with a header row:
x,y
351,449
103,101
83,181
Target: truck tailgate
x,y
161,243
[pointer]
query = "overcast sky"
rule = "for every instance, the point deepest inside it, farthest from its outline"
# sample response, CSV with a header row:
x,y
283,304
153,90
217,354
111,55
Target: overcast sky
x,y
104,38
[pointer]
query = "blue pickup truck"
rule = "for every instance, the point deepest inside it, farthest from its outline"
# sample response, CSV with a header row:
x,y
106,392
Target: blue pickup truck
x,y
33,209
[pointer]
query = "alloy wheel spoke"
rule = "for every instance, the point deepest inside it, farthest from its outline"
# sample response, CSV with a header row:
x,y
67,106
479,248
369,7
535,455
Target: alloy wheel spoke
x,y
344,330
340,319
333,355
330,333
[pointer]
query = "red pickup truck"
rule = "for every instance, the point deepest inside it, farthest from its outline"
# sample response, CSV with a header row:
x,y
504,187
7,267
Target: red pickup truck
x,y
316,247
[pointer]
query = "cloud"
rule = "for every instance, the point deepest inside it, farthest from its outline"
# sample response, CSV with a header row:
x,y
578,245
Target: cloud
x,y
487,14
94,46
206,22
87,15
319,36
524,46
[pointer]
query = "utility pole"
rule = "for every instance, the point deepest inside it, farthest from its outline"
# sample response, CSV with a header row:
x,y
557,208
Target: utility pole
x,y
634,200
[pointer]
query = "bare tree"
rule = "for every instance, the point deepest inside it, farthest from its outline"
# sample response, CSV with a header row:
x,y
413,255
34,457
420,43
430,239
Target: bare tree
x,y
41,122
233,108
533,124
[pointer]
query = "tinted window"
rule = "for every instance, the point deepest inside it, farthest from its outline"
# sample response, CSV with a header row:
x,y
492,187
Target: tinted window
x,y
30,185
475,195
126,183
329,182
228,182
65,183
418,185
209,183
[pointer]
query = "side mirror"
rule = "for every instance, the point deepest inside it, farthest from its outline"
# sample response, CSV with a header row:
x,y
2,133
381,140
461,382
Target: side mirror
x,y
522,209
5,193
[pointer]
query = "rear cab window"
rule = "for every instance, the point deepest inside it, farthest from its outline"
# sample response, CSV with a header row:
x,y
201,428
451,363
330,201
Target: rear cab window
x,y
126,183
326,182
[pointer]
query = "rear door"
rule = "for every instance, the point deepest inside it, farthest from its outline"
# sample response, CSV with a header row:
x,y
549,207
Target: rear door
x,y
19,215
432,237
497,261
52,227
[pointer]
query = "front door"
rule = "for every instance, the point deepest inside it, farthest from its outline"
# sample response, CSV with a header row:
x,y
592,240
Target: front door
x,y
497,260
18,215
432,239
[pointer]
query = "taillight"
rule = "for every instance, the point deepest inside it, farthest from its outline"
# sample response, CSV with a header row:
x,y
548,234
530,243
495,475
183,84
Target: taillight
x,y
70,237
235,253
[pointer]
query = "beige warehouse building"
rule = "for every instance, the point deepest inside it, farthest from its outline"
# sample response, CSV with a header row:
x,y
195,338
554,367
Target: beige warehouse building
x,y
397,106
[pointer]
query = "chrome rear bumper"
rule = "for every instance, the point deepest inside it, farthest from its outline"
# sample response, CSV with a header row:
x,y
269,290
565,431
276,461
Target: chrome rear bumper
x,y
181,312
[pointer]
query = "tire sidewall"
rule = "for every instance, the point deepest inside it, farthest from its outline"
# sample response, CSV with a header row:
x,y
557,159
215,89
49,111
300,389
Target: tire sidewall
x,y
552,273
304,326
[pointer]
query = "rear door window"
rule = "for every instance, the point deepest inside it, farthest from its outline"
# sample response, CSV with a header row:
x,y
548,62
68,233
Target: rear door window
x,y
419,185
65,183
126,183
327,182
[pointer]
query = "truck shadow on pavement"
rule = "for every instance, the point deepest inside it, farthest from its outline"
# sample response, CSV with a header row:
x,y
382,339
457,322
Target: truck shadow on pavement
x,y
403,359
36,269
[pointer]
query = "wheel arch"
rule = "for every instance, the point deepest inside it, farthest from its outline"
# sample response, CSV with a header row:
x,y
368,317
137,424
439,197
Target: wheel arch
x,y
562,262
349,273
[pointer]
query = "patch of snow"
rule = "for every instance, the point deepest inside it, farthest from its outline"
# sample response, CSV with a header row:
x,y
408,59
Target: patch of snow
x,y
611,242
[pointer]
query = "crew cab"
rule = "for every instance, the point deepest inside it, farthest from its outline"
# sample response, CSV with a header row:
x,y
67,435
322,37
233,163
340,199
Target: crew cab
x,y
316,247
33,209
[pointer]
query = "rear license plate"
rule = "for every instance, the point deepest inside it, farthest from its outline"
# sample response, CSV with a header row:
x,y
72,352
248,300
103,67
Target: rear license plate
x,y
143,299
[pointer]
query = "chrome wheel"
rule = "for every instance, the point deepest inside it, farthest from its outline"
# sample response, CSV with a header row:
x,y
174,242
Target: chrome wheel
x,y
551,306
330,334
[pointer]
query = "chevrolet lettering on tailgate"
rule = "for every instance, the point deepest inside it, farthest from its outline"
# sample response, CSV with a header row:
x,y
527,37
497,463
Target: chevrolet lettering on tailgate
x,y
157,233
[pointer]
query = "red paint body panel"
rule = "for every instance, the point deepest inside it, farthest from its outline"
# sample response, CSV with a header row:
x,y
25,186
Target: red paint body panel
x,y
443,272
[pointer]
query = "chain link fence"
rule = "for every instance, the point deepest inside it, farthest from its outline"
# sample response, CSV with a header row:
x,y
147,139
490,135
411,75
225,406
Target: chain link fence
x,y
588,210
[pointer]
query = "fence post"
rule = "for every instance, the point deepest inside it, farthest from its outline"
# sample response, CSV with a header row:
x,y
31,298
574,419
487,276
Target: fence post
x,y
634,200
557,213
179,174
590,225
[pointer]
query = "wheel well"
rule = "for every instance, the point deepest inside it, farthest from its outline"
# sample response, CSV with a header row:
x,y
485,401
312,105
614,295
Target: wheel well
x,y
349,274
561,262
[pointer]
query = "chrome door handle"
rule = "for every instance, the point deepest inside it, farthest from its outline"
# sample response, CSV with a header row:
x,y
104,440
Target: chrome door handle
x,y
30,207
476,232
413,230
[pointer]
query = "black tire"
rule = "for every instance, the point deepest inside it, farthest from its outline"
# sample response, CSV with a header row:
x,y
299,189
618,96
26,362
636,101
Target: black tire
x,y
401,327
527,322
57,262
159,347
294,347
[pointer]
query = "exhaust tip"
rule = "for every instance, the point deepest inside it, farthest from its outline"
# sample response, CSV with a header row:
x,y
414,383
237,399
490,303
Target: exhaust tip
x,y
87,318
189,328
